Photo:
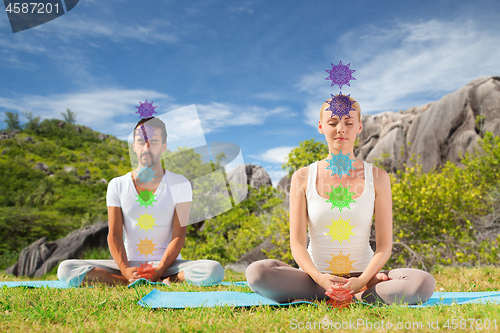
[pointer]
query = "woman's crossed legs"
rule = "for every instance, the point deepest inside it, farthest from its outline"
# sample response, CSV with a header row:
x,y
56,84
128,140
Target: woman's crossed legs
x,y
282,283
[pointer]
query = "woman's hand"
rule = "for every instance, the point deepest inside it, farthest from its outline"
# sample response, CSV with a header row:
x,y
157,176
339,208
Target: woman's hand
x,y
327,281
354,284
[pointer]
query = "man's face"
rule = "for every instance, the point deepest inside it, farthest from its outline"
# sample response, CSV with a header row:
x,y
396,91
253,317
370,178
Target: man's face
x,y
148,152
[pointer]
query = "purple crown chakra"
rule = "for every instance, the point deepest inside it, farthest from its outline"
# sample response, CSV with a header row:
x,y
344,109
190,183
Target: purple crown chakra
x,y
146,109
341,105
340,74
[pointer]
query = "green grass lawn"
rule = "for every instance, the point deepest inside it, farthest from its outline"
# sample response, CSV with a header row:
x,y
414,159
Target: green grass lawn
x,y
115,309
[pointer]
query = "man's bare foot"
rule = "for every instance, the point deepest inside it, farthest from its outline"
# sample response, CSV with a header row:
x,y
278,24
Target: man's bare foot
x,y
167,281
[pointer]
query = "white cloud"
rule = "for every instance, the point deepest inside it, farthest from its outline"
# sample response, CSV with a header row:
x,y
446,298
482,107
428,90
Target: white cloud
x,y
408,64
215,116
99,109
275,155
81,27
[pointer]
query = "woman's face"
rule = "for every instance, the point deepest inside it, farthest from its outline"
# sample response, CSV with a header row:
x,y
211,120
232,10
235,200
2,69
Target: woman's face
x,y
340,134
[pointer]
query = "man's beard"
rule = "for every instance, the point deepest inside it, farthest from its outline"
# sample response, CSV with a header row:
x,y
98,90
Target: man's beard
x,y
148,162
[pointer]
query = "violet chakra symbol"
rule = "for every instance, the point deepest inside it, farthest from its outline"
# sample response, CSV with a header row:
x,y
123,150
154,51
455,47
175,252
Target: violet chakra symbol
x,y
340,74
146,109
145,132
340,105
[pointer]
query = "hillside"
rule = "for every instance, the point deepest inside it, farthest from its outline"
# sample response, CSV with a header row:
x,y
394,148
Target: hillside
x,y
64,193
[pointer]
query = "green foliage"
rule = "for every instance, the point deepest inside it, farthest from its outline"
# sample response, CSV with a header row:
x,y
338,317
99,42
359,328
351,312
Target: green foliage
x,y
36,204
33,122
12,121
69,116
436,214
279,230
306,153
228,236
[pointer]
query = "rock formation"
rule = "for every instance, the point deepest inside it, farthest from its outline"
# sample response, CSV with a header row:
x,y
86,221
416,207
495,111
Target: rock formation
x,y
41,257
438,131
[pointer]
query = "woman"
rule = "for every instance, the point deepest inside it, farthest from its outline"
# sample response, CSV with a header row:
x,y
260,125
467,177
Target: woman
x,y
338,197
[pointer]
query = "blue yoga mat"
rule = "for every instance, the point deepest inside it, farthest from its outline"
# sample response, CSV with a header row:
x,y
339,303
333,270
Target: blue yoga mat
x,y
61,285
36,284
180,300
449,298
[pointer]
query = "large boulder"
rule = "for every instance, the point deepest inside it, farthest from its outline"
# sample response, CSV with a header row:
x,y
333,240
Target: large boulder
x,y
436,132
253,175
41,257
251,256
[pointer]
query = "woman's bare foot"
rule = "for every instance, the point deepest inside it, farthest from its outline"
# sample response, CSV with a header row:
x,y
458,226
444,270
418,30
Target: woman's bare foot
x,y
379,277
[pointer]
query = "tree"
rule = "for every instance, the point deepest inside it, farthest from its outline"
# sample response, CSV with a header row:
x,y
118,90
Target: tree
x,y
12,121
33,122
69,116
306,153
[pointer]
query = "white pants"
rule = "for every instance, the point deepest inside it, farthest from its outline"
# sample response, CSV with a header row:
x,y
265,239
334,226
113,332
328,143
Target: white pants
x,y
198,272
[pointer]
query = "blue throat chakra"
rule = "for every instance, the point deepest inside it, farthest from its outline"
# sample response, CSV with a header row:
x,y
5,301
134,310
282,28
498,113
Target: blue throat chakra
x,y
340,105
340,164
146,175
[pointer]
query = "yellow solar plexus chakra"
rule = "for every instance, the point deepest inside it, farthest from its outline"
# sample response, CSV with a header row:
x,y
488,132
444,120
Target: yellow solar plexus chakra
x,y
340,264
146,247
146,222
340,230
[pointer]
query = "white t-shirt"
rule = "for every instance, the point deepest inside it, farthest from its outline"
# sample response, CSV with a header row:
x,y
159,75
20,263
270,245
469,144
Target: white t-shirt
x,y
147,226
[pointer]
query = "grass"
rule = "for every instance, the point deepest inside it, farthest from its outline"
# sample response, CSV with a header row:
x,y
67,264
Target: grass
x,y
115,309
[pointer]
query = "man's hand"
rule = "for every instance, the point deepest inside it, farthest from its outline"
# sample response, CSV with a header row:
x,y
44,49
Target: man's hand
x,y
130,273
327,281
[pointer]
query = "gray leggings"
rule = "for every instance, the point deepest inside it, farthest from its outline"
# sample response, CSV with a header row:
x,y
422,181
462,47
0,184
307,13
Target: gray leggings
x,y
198,272
282,283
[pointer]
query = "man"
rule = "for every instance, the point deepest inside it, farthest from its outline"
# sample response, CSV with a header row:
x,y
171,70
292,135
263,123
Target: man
x,y
149,206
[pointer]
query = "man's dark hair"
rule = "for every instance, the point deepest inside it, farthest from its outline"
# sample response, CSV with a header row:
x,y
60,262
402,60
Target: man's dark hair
x,y
156,123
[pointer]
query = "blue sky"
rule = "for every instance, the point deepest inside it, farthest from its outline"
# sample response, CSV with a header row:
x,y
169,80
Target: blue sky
x,y
254,69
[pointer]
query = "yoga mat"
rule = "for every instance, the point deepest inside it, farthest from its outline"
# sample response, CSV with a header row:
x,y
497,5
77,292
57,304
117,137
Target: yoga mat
x,y
180,300
449,298
61,285
36,284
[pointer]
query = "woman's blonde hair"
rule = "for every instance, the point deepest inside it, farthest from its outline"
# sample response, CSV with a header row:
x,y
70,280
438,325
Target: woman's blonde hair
x,y
354,105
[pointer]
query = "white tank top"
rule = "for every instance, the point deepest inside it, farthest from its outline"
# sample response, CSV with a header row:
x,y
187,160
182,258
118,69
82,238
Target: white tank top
x,y
339,234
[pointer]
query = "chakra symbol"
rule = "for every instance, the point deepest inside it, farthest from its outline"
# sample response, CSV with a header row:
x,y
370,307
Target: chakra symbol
x,y
146,222
146,109
340,264
146,175
340,105
146,198
146,131
340,164
340,298
340,197
340,230
340,74
146,270
146,246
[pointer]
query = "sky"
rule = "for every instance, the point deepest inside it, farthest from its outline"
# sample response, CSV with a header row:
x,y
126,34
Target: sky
x,y
255,70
